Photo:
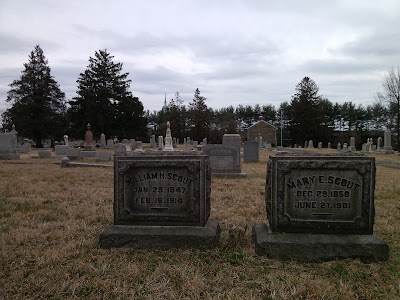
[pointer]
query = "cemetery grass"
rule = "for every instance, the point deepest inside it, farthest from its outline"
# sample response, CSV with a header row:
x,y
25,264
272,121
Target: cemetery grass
x,y
50,220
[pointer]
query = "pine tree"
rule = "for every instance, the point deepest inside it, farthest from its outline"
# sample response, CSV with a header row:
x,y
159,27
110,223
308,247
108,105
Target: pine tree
x,y
104,100
37,103
199,117
306,116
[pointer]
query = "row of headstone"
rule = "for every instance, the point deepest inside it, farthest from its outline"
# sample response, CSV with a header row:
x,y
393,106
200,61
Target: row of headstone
x,y
318,208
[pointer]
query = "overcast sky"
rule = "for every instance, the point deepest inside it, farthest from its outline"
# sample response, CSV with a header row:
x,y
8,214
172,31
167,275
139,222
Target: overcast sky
x,y
236,52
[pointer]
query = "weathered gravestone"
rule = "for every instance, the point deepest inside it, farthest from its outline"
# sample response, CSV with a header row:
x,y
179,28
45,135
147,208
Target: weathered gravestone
x,y
8,146
231,139
250,151
60,151
161,200
44,154
320,208
224,160
387,141
104,156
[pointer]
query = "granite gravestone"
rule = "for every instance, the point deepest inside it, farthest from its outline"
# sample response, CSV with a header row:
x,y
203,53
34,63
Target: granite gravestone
x,y
250,151
224,159
320,208
161,200
231,139
8,146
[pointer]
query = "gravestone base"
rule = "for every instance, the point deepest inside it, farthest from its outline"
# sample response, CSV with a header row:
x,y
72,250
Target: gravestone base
x,y
161,237
306,247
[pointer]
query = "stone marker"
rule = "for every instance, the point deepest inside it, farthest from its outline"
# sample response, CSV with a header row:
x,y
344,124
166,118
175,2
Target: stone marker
x,y
139,146
88,153
73,153
352,144
60,151
120,149
320,145
66,140
103,156
231,139
379,144
45,154
110,143
153,141
103,140
387,141
89,145
8,146
310,144
160,142
320,208
224,159
161,200
250,151
132,142
339,146
168,139
329,145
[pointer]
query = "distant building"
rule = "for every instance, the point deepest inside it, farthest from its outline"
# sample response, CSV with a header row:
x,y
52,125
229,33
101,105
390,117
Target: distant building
x,y
266,130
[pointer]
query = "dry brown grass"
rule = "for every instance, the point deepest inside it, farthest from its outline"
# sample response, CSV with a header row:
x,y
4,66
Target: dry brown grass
x,y
50,220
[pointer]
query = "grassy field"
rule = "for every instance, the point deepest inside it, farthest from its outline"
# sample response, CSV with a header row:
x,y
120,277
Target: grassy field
x,y
50,220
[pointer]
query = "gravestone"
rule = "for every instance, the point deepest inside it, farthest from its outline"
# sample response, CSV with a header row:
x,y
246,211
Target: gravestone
x,y
204,143
60,151
45,154
329,145
379,144
89,145
339,146
320,145
8,146
320,208
387,142
224,160
132,142
250,151
103,140
305,144
160,142
73,153
310,144
110,143
161,200
66,140
88,153
231,139
103,156
120,149
153,141
352,144
168,139
139,146
267,145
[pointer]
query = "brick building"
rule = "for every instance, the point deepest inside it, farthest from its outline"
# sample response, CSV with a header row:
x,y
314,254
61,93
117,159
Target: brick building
x,y
266,130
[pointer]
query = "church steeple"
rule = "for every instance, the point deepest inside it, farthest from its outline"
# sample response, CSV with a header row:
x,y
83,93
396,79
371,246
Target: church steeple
x,y
165,103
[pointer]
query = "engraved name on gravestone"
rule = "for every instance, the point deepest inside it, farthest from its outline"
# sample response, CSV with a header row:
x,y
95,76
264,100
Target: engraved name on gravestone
x,y
150,190
330,194
224,159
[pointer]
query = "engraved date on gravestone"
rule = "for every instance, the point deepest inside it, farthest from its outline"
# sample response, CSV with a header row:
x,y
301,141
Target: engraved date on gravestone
x,y
158,192
323,195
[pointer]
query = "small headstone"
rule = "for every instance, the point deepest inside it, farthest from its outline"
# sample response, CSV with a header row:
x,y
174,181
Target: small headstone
x,y
310,144
60,151
267,145
8,145
73,153
160,142
364,147
132,142
250,151
125,141
103,140
44,154
184,141
139,146
88,153
168,139
320,145
174,142
224,159
89,145
339,146
329,145
204,143
103,156
352,144
120,149
305,144
379,144
320,208
231,139
153,141
110,143
387,140
66,140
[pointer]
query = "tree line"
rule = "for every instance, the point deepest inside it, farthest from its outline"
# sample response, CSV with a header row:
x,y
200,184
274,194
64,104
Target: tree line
x,y
103,99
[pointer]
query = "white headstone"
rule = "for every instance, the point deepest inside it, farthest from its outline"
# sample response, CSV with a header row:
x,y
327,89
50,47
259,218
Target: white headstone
x,y
102,140
168,139
387,141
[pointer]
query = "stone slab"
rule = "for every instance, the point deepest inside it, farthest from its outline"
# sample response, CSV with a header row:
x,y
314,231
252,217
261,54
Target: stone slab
x,y
88,153
320,194
305,247
45,154
250,151
161,237
224,159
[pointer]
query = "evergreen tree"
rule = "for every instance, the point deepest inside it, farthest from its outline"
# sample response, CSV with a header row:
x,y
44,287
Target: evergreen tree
x,y
104,100
305,113
199,117
37,103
